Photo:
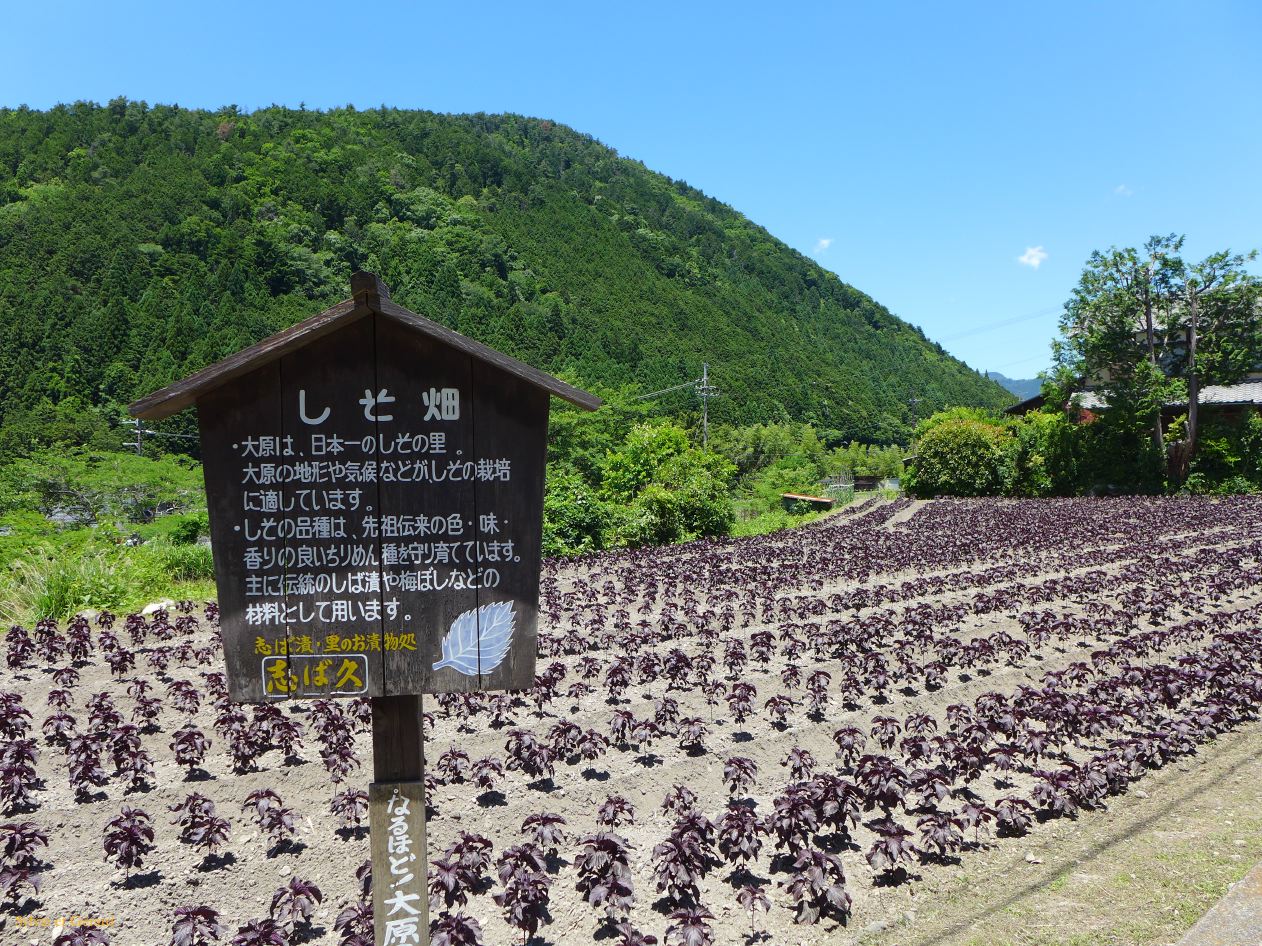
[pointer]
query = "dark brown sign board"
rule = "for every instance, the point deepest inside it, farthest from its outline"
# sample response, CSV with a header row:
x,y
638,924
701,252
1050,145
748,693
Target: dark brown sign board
x,y
375,488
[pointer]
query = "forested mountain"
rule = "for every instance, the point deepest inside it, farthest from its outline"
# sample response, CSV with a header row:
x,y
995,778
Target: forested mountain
x,y
1021,387
138,243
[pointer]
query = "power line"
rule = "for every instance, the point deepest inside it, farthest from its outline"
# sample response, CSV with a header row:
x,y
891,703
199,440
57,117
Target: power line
x,y
1003,323
140,432
705,390
677,387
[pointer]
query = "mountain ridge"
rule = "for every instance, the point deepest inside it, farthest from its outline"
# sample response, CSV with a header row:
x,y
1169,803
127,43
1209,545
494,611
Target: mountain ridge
x,y
138,243
1023,388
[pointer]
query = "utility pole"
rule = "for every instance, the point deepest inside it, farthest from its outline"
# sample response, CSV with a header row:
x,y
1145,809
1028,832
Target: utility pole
x,y
138,428
139,432
705,390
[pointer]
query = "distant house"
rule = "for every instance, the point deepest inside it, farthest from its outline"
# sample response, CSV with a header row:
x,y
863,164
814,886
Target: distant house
x,y
1087,410
1021,408
1227,401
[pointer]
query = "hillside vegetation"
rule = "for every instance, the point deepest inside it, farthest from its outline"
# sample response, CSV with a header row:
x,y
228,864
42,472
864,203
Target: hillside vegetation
x,y
139,243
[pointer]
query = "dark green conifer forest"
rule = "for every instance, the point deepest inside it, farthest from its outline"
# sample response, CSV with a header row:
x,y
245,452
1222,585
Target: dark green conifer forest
x,y
138,243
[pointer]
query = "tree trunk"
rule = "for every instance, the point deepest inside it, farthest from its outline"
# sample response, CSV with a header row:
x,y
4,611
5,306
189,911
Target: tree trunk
x,y
1188,450
1158,435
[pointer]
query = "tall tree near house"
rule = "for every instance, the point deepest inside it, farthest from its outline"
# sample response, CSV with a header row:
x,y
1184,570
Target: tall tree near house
x,y
1215,329
1154,288
1146,327
1105,342
1112,327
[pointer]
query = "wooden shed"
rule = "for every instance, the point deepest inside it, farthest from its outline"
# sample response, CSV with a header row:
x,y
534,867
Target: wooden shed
x,y
816,503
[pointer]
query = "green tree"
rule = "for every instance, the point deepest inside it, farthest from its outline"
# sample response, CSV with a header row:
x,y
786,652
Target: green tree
x,y
1111,326
662,490
1145,328
963,456
1217,332
574,517
687,498
641,457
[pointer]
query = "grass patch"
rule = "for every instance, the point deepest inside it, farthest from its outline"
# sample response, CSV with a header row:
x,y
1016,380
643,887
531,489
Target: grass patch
x,y
754,518
60,577
772,521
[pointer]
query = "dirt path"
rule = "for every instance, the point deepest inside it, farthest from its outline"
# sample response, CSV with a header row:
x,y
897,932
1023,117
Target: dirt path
x,y
1140,873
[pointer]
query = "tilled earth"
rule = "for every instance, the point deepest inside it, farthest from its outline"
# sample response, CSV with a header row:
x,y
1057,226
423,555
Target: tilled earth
x,y
1005,595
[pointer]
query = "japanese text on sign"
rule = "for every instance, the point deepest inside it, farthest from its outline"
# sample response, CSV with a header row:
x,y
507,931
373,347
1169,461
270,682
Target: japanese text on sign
x,y
399,892
326,570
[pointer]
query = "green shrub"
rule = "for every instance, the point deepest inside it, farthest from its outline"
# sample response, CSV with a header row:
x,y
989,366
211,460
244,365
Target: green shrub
x,y
189,528
661,490
1251,449
1116,454
963,456
20,531
772,521
1048,453
1234,485
653,519
574,517
58,586
791,475
88,568
636,463
1229,456
967,452
700,482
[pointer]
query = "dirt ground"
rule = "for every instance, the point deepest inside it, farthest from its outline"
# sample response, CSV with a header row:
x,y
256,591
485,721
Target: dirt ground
x,y
1139,872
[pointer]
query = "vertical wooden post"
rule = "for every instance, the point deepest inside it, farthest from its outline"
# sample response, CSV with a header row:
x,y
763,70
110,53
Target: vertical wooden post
x,y
396,809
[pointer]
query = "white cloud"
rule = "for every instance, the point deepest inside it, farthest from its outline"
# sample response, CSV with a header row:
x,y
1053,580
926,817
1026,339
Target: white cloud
x,y
822,244
1033,256
1122,190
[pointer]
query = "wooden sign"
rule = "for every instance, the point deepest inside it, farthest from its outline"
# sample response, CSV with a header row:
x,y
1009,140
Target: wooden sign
x,y
375,486
396,820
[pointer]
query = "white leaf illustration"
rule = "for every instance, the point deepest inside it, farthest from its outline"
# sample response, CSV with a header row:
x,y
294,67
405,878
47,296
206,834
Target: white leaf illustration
x,y
494,624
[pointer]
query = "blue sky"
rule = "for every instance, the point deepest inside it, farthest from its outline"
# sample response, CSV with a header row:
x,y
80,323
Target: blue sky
x,y
920,151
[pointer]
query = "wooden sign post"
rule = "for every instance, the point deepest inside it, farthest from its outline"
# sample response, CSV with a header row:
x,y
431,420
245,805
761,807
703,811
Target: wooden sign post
x,y
396,822
375,487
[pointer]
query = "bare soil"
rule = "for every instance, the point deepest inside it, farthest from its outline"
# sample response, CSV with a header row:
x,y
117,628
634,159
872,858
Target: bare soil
x,y
1140,871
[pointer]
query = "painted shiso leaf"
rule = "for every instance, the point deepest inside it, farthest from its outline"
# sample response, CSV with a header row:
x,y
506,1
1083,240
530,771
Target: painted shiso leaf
x,y
460,647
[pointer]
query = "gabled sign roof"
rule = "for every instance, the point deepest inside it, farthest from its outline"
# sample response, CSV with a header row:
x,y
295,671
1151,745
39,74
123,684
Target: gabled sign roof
x,y
368,295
